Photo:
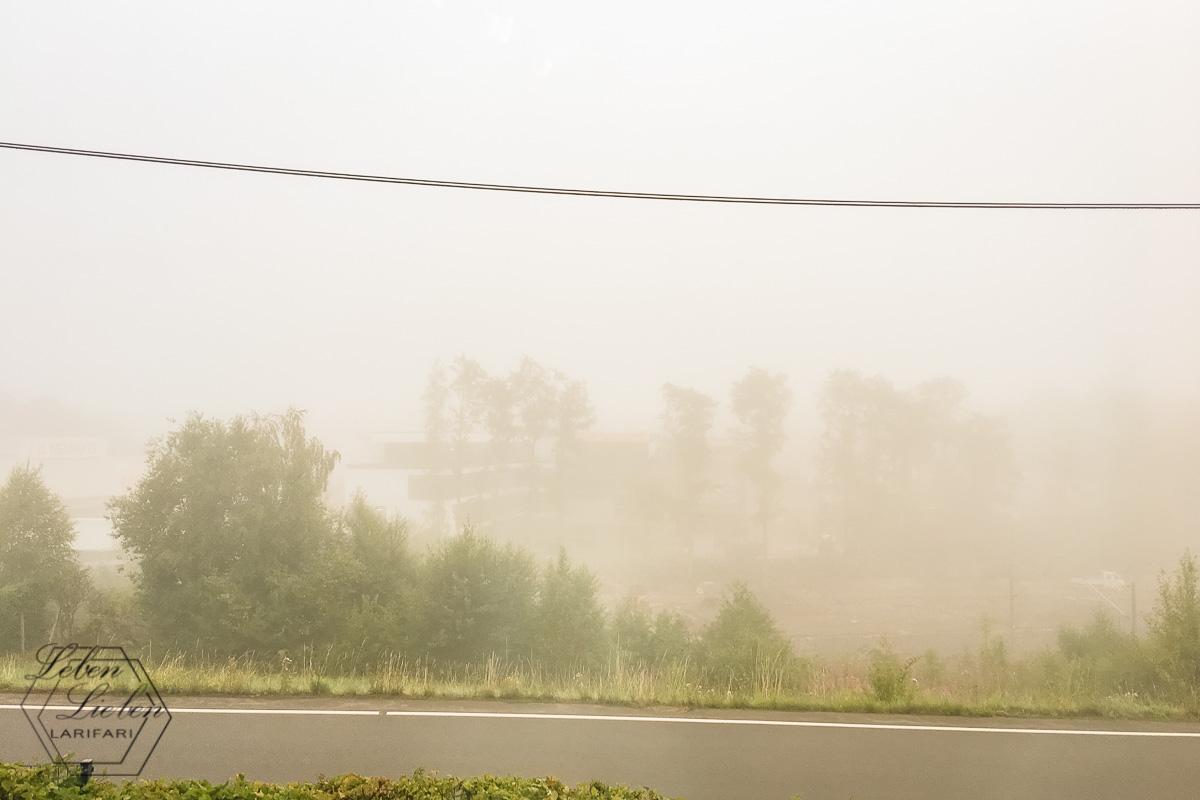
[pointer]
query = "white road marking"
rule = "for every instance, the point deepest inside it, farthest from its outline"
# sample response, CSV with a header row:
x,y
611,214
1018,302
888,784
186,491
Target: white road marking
x,y
797,723
316,712
781,723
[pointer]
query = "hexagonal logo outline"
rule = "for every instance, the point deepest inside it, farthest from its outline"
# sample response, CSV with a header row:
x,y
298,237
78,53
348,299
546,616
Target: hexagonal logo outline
x,y
145,689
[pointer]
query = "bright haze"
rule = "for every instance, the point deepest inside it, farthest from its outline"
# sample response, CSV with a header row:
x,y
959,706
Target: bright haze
x,y
137,293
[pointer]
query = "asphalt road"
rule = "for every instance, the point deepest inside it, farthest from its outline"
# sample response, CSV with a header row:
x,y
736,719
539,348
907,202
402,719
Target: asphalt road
x,y
694,755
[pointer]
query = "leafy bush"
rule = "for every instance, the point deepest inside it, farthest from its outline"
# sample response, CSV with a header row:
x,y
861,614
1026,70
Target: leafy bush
x,y
41,581
568,620
229,529
633,631
111,616
742,647
670,638
478,599
1100,659
1175,626
890,676
930,669
366,588
992,669
61,783
646,640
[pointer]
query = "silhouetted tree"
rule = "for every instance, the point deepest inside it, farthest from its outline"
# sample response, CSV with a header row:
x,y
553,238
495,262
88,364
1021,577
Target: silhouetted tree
x,y
41,581
649,640
743,644
573,416
534,399
1175,624
760,402
568,621
367,583
687,420
912,476
229,531
499,400
466,410
477,599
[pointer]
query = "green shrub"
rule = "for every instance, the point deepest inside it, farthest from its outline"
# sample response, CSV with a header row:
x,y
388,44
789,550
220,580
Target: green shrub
x,y
568,621
670,638
61,783
743,648
633,631
646,640
229,529
993,671
1100,659
478,599
890,676
111,615
41,582
1175,626
930,669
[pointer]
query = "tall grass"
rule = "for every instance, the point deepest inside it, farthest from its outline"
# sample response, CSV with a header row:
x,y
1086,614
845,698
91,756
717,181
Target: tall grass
x,y
816,685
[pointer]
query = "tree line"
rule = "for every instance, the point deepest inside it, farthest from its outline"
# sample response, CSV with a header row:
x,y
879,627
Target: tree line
x,y
899,479
531,406
237,551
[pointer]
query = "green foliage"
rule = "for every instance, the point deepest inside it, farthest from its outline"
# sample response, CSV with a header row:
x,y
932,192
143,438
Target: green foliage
x,y
1100,659
239,556
743,645
568,622
41,580
477,599
991,661
890,676
645,640
1175,626
61,783
113,616
930,668
632,631
366,588
230,532
670,639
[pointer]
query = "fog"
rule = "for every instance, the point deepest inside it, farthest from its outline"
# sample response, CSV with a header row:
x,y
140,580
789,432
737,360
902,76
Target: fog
x,y
132,295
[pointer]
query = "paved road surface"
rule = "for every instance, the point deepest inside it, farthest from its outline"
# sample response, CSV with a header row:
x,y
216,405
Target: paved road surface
x,y
696,755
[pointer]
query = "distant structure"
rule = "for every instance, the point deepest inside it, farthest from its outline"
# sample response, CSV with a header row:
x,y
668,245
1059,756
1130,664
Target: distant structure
x,y
609,492
477,481
84,471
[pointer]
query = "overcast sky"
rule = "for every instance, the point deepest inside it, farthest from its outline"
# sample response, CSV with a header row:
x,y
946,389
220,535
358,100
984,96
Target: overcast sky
x,y
148,290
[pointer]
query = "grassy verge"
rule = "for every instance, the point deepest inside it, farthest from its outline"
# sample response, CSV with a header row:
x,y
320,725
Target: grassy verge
x,y
826,687
61,783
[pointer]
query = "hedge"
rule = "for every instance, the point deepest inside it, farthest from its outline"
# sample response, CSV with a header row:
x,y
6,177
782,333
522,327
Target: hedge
x,y
57,782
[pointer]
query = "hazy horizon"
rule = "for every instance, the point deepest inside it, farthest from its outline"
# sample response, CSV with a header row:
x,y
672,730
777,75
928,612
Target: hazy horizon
x,y
147,291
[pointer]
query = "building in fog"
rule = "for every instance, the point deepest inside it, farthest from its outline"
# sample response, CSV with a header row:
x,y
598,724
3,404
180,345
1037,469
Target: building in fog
x,y
83,471
479,482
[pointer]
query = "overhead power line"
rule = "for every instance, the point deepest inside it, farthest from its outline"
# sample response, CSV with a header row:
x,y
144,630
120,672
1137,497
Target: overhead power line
x,y
558,190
